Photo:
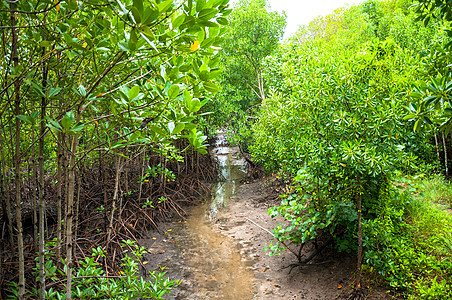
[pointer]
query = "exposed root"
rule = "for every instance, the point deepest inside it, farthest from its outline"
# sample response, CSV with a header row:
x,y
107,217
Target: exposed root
x,y
357,294
305,261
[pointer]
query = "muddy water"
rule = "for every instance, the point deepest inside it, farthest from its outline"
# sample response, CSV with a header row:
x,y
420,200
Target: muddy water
x,y
217,269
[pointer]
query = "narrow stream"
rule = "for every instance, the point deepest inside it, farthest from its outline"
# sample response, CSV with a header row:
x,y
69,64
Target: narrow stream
x,y
216,268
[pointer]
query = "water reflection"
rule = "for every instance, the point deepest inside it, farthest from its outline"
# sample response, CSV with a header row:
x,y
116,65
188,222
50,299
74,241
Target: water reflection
x,y
218,271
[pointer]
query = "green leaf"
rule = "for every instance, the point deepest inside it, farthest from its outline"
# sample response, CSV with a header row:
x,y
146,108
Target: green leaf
x,y
222,21
132,43
427,120
210,87
173,91
54,125
139,5
133,92
149,16
136,14
200,5
178,21
417,125
82,90
179,127
79,126
66,122
26,119
164,6
409,117
123,46
37,88
54,91
207,13
207,23
195,105
158,130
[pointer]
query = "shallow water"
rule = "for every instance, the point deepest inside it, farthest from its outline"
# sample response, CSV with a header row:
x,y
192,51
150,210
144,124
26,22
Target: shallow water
x,y
216,267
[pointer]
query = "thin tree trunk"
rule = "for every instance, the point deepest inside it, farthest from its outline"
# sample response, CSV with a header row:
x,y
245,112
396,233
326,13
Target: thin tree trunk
x,y
360,239
42,203
445,154
437,150
34,200
115,197
143,167
77,207
5,194
20,241
59,194
70,215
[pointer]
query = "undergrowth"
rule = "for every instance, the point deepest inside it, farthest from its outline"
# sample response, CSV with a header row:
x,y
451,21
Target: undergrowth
x,y
91,282
410,245
436,189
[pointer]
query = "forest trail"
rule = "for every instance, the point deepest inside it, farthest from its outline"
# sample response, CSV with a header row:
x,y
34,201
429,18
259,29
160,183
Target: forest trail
x,y
217,251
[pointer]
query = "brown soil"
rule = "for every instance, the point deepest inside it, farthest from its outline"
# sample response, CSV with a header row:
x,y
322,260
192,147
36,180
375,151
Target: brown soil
x,y
235,232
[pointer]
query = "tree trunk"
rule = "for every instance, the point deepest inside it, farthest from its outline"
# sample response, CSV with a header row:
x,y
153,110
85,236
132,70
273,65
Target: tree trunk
x,y
17,160
115,197
437,150
34,196
70,215
445,154
4,195
42,203
360,239
59,194
77,208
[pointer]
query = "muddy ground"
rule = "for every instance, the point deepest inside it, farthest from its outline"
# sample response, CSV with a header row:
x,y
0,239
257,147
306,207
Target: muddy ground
x,y
223,258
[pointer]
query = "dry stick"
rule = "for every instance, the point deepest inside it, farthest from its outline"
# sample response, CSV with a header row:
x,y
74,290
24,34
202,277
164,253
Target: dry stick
x,y
268,231
437,150
445,154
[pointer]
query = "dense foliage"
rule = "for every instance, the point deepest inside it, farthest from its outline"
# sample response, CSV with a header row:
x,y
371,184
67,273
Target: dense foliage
x,y
88,86
335,121
253,34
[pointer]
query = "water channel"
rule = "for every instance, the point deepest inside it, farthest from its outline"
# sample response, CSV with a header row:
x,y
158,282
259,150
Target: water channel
x,y
215,266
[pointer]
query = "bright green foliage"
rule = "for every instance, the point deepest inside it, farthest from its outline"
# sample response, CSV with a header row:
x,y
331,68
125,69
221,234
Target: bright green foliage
x,y
343,126
91,282
143,62
254,33
335,122
431,100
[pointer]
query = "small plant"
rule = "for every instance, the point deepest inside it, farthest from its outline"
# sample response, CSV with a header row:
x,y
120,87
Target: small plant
x,y
154,171
90,282
148,203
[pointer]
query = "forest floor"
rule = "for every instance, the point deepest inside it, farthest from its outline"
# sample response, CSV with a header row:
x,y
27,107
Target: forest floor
x,y
224,258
